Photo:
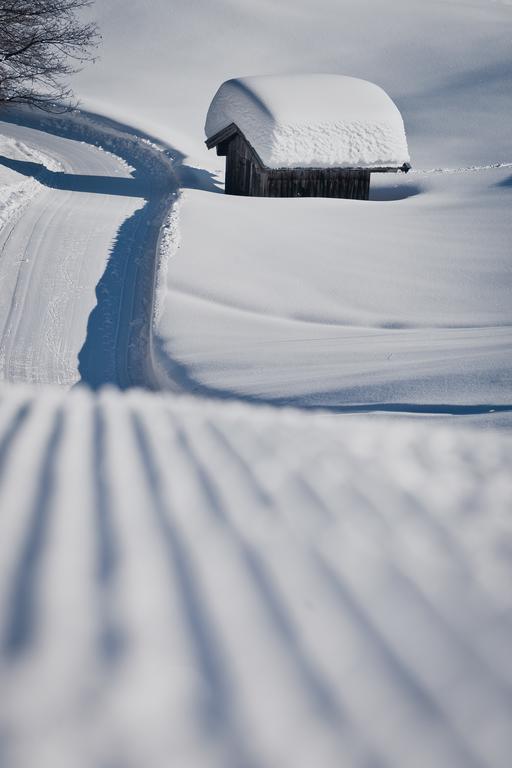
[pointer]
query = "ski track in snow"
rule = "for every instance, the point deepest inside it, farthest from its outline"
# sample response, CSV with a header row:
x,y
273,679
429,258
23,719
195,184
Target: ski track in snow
x,y
271,589
78,260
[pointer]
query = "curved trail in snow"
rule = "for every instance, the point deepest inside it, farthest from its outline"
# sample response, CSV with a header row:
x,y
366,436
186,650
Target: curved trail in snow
x,y
77,262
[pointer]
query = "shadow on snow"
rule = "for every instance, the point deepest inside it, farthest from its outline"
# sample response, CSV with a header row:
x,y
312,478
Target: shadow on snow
x,y
390,192
101,185
348,400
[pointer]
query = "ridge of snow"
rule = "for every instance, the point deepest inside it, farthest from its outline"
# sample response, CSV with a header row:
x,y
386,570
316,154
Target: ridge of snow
x,y
15,190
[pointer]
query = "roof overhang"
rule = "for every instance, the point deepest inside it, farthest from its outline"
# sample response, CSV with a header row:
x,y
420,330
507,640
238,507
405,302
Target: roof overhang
x,y
224,135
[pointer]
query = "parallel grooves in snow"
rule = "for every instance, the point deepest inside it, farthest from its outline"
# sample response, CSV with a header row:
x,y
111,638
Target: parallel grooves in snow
x,y
272,588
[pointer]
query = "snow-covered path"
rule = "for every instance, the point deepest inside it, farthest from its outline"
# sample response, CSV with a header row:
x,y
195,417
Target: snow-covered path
x,y
70,287
271,588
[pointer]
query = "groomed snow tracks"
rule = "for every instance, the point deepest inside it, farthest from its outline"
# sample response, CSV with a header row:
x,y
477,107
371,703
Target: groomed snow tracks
x,y
186,583
79,262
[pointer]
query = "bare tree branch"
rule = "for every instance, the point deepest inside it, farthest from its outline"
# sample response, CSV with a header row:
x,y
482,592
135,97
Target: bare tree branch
x,y
42,42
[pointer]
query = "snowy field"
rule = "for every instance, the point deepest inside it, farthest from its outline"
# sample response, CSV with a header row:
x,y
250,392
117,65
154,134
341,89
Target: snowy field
x,y
348,302
198,574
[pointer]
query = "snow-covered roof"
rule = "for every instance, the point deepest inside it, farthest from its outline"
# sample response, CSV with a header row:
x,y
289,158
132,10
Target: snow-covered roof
x,y
312,121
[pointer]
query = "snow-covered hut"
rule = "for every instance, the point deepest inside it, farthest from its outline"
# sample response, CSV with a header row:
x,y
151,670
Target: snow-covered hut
x,y
305,135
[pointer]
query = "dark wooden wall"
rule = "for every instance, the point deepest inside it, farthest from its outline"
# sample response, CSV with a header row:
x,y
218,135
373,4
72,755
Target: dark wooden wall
x,y
243,170
327,182
245,175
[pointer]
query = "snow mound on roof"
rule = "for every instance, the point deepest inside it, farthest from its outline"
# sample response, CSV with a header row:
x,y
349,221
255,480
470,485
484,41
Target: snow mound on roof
x,y
308,121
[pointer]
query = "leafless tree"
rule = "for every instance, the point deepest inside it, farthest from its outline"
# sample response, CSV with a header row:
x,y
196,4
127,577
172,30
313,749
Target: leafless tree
x,y
42,42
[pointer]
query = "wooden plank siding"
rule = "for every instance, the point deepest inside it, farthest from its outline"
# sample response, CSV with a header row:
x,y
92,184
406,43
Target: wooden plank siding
x,y
328,182
247,175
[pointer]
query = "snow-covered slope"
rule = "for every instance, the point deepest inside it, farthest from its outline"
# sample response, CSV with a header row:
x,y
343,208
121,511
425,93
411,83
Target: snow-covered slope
x,y
203,585
403,302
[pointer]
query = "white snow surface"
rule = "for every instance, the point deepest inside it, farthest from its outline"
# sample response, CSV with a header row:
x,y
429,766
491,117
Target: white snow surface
x,y
312,121
397,304
17,190
188,583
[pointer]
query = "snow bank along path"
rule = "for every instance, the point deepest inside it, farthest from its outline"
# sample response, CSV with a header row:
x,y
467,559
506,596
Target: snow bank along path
x,y
77,262
189,583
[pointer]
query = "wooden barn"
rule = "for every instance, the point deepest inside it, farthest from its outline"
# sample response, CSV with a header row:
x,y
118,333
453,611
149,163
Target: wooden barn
x,y
305,135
